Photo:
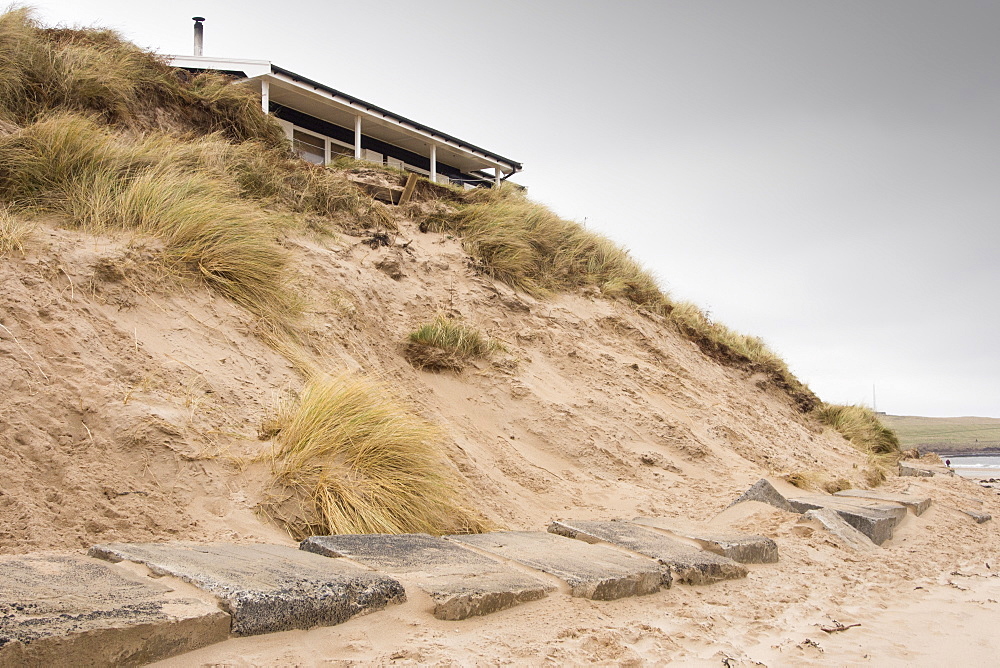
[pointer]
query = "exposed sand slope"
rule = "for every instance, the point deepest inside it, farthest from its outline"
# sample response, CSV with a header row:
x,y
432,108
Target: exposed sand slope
x,y
131,408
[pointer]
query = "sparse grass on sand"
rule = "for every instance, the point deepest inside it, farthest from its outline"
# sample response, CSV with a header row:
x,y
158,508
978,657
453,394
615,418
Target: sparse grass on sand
x,y
735,349
529,247
354,459
445,343
14,232
816,480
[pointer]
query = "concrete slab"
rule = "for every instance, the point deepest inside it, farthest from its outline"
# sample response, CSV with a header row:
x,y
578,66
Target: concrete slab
x,y
918,504
849,537
978,516
67,610
764,491
744,548
591,571
686,564
266,588
462,583
920,470
875,519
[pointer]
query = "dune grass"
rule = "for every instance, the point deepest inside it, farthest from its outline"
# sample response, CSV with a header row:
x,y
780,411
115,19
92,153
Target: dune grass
x,y
861,427
98,180
354,459
736,349
195,162
14,232
445,343
95,71
530,248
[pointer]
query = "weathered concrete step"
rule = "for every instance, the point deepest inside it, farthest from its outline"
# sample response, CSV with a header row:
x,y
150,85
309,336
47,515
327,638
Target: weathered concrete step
x,y
686,564
266,588
838,526
59,610
764,491
875,519
744,548
462,583
923,470
980,517
591,571
918,504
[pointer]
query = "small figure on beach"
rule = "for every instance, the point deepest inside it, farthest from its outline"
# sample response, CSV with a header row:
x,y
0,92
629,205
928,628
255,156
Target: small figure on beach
x,y
947,463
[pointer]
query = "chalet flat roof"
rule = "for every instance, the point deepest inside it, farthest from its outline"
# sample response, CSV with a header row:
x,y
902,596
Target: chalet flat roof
x,y
263,69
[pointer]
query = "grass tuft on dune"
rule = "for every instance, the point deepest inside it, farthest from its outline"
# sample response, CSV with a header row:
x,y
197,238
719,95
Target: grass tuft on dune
x,y
352,458
861,427
447,344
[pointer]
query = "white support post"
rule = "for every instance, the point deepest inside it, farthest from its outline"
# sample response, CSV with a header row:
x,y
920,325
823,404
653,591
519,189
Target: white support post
x,y
498,175
434,163
357,137
265,96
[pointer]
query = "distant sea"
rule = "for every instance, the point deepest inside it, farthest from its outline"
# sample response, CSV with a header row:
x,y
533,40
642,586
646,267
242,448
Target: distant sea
x,y
976,466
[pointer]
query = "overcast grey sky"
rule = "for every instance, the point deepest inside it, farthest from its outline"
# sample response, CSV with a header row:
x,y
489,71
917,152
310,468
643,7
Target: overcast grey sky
x,y
821,174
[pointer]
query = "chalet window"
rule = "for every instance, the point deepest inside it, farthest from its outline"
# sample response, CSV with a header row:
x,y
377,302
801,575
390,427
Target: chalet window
x,y
309,147
340,149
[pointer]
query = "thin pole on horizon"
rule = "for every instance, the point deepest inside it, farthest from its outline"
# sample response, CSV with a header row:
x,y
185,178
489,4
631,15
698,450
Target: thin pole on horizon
x,y
874,403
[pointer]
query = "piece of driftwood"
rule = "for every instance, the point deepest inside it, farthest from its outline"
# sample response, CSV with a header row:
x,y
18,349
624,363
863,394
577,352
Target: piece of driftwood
x,y
837,626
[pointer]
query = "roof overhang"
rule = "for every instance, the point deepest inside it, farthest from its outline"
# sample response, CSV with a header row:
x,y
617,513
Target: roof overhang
x,y
320,101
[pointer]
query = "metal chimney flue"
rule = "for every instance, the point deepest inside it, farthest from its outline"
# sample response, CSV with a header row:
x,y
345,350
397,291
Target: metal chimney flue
x,y
199,34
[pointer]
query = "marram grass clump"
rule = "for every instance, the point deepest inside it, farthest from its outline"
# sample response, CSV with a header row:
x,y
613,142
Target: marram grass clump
x,y
445,343
862,428
351,458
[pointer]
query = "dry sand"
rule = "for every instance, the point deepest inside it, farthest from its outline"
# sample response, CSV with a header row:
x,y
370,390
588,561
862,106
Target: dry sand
x,y
132,401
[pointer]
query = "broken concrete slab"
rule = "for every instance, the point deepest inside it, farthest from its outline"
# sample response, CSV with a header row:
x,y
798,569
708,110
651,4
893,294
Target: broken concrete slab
x,y
67,610
978,516
592,571
918,504
686,564
462,583
266,588
744,548
764,491
849,536
922,470
875,519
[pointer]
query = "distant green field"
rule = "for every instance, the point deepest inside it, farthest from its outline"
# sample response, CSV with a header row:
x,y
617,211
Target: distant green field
x,y
949,435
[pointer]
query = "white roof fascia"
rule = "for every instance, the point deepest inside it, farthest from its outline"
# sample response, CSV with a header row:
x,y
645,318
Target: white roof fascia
x,y
365,111
252,68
